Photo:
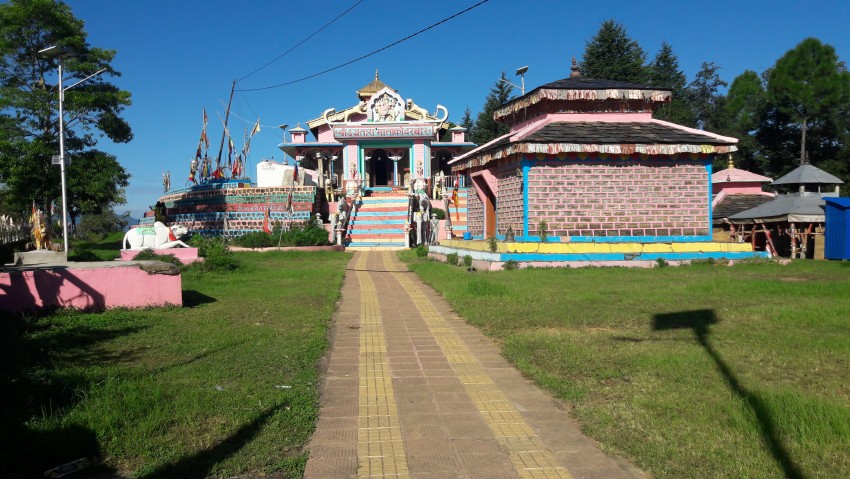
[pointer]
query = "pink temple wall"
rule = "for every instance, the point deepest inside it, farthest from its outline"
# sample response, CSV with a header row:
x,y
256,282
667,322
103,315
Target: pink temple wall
x,y
620,198
325,134
419,154
88,288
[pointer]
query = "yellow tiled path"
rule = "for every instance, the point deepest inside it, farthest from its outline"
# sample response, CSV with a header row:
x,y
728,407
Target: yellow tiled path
x,y
411,390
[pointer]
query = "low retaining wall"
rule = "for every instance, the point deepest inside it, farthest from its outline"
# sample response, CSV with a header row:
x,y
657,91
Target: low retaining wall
x,y
185,255
643,255
91,286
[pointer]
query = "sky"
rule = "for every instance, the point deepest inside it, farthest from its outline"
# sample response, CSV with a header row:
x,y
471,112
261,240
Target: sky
x,y
177,57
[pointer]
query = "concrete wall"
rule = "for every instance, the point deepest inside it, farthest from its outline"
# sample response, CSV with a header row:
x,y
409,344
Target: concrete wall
x,y
667,197
87,288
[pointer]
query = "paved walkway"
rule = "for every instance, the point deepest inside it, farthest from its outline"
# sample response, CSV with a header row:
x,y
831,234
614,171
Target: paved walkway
x,y
412,391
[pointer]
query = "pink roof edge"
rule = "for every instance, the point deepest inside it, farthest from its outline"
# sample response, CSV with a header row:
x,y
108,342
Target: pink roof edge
x,y
735,175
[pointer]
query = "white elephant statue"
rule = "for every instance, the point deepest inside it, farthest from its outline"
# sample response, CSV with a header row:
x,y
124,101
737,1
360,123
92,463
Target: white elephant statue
x,y
157,237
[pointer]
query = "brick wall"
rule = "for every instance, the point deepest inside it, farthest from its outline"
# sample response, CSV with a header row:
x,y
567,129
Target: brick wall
x,y
474,213
619,198
509,204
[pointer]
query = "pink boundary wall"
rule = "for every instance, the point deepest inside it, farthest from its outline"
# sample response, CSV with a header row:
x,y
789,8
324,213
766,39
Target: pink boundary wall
x,y
92,288
185,255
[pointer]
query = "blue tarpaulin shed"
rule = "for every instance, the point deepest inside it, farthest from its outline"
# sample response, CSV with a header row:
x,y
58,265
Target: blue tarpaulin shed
x,y
837,234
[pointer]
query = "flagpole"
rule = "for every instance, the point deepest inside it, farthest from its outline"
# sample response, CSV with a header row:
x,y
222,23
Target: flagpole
x,y
226,117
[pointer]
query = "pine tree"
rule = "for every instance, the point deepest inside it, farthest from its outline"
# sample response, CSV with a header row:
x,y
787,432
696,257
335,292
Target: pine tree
x,y
705,100
808,85
486,128
664,72
745,108
612,55
468,123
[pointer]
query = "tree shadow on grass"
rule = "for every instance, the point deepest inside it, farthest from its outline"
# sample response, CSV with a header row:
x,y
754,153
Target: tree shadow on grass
x,y
201,463
700,322
39,359
192,298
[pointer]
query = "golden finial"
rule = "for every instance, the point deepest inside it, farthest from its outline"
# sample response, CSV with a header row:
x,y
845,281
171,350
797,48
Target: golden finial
x,y
731,164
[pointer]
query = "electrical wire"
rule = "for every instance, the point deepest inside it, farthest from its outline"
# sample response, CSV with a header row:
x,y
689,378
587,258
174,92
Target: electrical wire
x,y
302,41
368,54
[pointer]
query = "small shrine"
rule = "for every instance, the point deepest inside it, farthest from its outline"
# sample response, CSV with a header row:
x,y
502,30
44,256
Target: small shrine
x,y
735,190
792,223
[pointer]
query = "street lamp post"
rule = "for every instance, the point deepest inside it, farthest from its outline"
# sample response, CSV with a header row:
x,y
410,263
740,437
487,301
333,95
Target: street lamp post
x,y
60,54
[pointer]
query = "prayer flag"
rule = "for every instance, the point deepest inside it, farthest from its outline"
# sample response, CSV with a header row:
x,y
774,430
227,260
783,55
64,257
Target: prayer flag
x,y
256,128
295,172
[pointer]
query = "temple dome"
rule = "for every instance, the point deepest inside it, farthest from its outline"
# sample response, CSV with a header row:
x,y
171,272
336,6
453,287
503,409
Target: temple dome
x,y
373,87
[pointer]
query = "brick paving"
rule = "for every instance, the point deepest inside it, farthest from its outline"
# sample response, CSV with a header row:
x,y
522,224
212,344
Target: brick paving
x,y
412,391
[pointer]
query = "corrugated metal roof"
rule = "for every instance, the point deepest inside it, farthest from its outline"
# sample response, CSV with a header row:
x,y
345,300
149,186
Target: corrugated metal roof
x,y
807,174
784,208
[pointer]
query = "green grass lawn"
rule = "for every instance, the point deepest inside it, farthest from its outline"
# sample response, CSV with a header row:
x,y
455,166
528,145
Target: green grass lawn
x,y
224,386
107,249
692,372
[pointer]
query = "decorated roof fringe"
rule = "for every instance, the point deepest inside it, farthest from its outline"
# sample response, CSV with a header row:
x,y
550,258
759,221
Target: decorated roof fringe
x,y
556,148
558,94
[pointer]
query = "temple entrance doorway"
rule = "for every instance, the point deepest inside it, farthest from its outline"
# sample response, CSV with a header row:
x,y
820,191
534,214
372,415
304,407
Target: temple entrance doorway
x,y
385,167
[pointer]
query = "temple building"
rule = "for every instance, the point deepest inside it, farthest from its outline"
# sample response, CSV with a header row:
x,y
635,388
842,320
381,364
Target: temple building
x,y
587,176
383,142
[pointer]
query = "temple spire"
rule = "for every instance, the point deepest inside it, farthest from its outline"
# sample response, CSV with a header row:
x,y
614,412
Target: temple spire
x,y
574,73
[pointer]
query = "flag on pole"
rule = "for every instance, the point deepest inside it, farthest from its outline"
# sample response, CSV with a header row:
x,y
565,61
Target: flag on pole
x,y
295,172
256,128
236,172
204,136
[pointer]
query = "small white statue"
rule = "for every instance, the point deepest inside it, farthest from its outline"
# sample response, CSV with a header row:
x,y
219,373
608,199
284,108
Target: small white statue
x,y
157,237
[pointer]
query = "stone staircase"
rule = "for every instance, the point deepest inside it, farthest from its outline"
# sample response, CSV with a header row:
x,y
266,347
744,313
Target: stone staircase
x,y
378,223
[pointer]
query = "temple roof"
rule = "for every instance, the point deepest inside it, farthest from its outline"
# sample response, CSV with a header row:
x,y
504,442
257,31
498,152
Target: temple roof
x,y
733,204
372,87
735,175
791,208
619,138
808,174
580,88
617,133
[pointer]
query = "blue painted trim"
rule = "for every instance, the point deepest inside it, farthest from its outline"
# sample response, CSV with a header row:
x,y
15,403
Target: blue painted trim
x,y
639,239
622,256
708,169
526,165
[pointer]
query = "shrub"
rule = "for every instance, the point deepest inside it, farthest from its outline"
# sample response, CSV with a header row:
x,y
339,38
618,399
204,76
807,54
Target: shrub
x,y
662,262
147,255
452,259
257,239
542,228
421,251
510,265
491,244
467,260
217,256
441,215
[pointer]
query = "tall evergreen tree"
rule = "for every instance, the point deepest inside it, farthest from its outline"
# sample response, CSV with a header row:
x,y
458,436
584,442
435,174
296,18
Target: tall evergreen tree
x,y
664,72
705,98
486,128
612,55
29,136
468,123
808,85
745,109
